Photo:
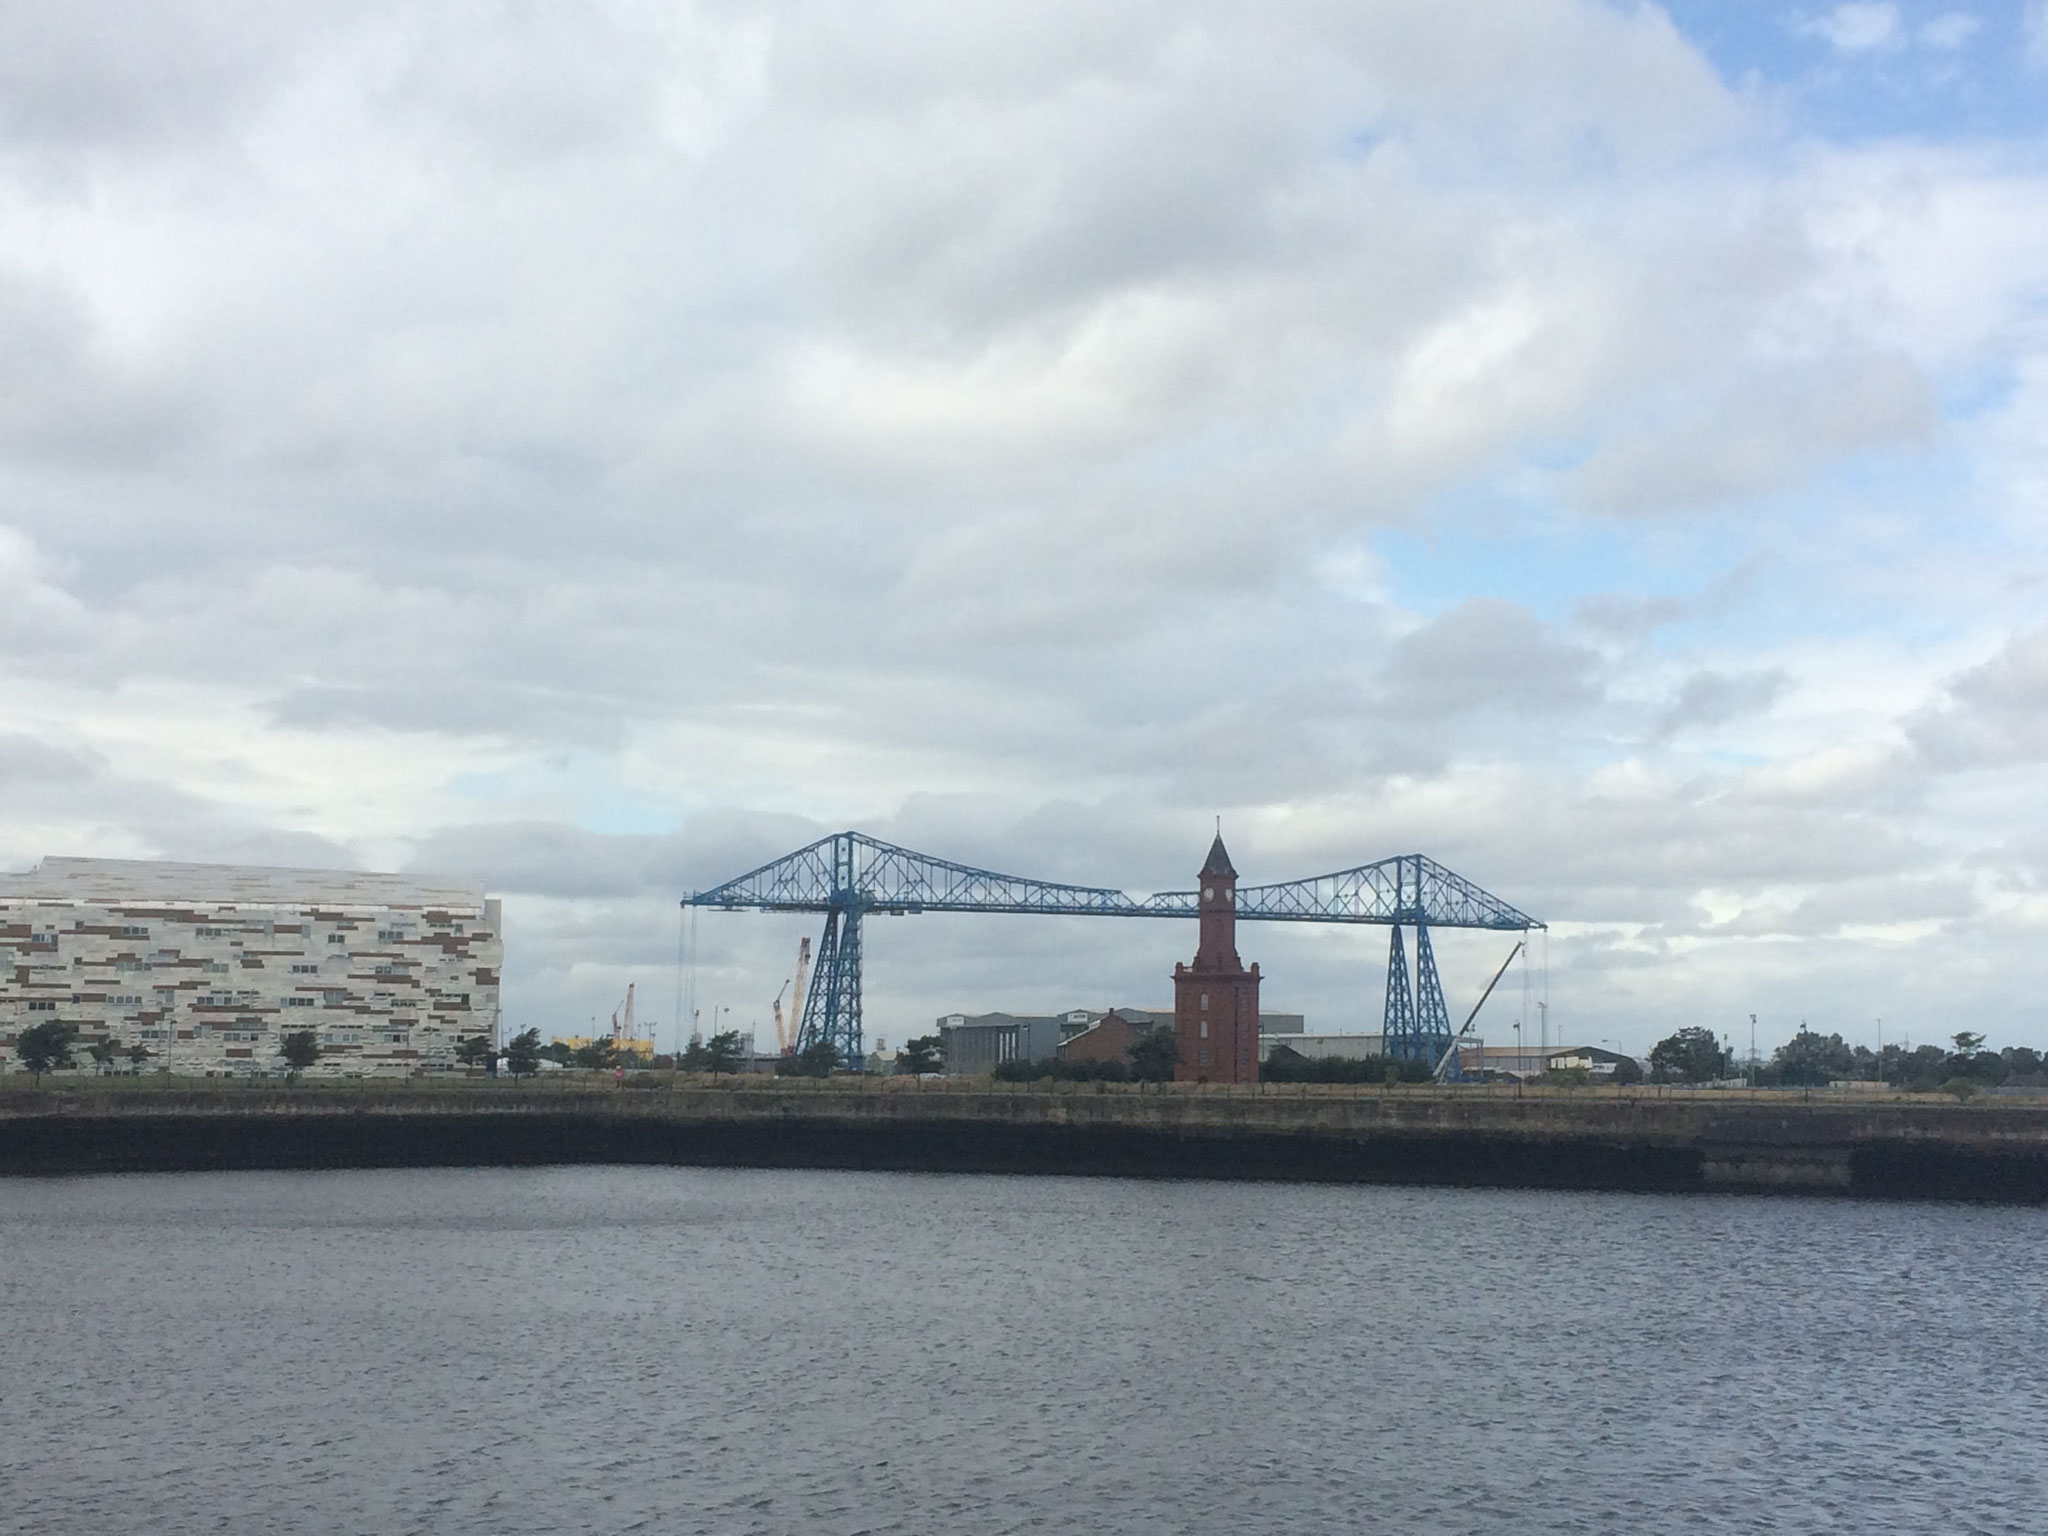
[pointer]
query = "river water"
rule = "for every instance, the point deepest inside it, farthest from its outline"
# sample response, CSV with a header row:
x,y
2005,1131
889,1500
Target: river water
x,y
638,1349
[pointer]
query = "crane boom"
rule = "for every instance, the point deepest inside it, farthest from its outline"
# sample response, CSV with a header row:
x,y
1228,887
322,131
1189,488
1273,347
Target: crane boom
x,y
1443,1067
781,1038
796,999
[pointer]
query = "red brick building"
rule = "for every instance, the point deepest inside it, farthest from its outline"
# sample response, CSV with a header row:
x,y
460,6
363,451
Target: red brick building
x,y
1109,1038
1216,1000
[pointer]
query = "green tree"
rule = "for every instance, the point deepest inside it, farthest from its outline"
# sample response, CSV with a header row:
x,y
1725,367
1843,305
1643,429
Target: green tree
x,y
927,1053
522,1053
1967,1043
1922,1069
1627,1072
598,1055
300,1048
474,1051
1979,1066
696,1056
818,1059
1692,1055
722,1052
1811,1060
557,1051
1154,1055
138,1053
102,1054
46,1047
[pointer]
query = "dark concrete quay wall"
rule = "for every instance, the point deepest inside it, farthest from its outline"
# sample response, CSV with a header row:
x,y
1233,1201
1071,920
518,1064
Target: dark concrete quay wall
x,y
1892,1149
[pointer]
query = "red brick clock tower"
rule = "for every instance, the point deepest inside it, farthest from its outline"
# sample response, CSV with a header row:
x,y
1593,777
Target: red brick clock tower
x,y
1216,1000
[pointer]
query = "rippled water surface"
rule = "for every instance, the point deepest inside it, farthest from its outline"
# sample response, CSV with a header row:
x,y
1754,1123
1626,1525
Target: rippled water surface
x,y
691,1350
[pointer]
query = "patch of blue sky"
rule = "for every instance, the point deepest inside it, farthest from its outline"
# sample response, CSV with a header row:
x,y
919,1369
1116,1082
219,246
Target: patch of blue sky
x,y
579,790
1481,541
1830,558
1975,392
1897,68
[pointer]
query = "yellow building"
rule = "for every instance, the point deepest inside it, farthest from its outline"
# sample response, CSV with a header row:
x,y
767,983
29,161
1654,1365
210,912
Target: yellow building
x,y
639,1051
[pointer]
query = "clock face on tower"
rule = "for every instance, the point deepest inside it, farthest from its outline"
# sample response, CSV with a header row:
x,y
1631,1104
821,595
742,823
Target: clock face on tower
x,y
1209,894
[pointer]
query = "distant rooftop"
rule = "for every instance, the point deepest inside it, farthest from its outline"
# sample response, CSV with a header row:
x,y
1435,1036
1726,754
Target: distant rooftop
x,y
132,881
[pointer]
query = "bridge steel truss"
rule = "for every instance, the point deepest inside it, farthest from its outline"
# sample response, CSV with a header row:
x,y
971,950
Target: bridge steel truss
x,y
849,874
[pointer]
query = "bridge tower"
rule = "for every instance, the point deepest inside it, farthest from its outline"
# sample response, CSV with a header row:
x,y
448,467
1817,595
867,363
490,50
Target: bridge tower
x,y
1216,1000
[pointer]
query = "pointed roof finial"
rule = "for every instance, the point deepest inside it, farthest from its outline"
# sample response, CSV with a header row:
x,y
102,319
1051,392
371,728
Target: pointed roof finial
x,y
1218,864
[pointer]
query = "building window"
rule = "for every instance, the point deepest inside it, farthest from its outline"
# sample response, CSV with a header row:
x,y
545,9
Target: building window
x,y
35,1007
1205,1029
337,938
1204,1059
1205,999
298,1002
305,970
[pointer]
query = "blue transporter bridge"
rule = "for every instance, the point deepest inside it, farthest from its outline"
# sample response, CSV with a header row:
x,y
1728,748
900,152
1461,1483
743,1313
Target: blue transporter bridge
x,y
849,874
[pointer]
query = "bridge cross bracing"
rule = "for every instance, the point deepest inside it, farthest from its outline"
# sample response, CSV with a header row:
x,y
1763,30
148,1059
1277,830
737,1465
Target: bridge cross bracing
x,y
849,874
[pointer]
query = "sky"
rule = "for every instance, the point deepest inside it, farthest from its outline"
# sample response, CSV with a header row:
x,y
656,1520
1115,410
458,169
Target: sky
x,y
595,450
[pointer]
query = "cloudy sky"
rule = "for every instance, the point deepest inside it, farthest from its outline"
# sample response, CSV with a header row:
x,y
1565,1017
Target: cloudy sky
x,y
1600,445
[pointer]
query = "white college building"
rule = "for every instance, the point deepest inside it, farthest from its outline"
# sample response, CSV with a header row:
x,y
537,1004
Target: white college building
x,y
208,966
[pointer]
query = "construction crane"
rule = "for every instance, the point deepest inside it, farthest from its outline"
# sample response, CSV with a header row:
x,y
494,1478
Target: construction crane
x,y
1448,1067
796,999
622,1023
781,1038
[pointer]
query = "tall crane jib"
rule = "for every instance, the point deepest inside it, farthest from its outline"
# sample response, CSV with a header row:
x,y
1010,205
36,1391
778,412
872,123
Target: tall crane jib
x,y
622,1019
784,1043
797,993
848,876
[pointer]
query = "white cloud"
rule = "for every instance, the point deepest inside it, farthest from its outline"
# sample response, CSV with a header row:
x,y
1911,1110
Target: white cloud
x,y
605,449
1950,30
1856,28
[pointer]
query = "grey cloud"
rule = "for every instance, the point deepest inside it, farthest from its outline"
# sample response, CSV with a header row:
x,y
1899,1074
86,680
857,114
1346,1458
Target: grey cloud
x,y
1487,654
1708,699
451,706
27,758
61,396
96,73
552,859
1629,617
1994,714
1758,433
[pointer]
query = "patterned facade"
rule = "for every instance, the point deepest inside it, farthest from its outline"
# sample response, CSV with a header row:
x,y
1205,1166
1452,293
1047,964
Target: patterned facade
x,y
208,967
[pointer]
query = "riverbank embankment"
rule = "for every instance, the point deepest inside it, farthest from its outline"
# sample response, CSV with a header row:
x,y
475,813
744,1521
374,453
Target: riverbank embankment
x,y
1858,1145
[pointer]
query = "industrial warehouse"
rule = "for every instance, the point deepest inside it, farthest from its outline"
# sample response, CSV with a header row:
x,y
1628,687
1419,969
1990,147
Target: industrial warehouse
x,y
202,969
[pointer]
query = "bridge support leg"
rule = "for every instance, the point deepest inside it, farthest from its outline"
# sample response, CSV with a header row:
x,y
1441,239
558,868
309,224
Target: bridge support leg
x,y
832,1006
1432,1017
1416,1026
1397,1025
